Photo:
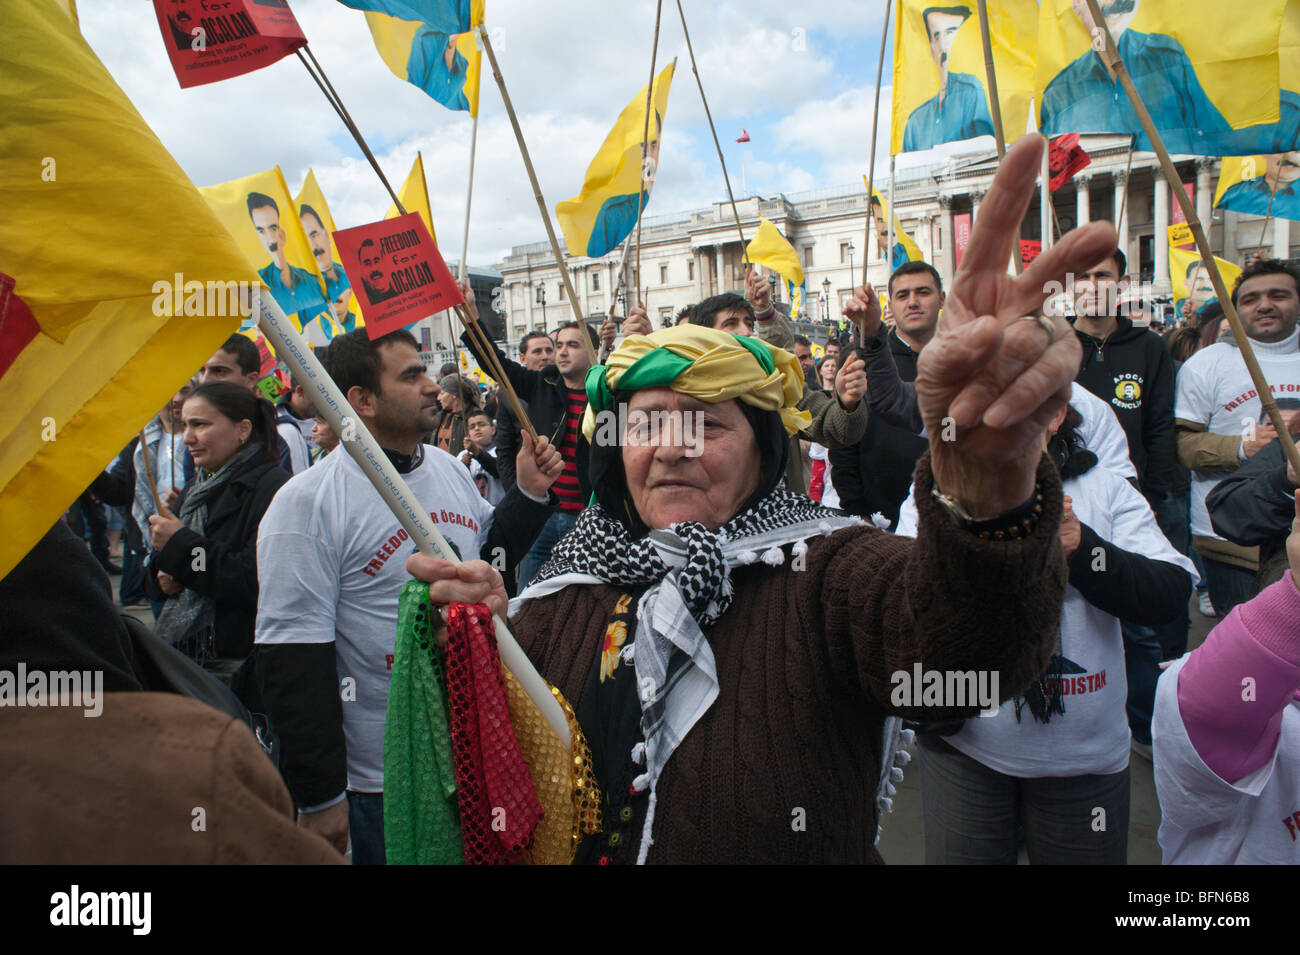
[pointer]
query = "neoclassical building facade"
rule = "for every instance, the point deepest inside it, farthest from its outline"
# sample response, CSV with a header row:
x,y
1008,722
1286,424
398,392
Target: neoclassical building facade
x,y
689,256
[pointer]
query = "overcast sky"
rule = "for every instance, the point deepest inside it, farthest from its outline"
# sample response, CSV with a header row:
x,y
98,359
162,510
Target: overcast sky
x,y
798,77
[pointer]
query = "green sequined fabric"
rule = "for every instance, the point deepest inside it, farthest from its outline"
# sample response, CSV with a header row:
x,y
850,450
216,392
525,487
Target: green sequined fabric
x,y
421,821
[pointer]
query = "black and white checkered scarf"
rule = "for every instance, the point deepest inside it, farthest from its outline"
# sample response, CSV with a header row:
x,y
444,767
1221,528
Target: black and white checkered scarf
x,y
688,568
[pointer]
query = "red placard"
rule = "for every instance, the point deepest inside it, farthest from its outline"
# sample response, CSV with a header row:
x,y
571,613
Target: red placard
x,y
1030,249
213,40
396,272
1175,210
961,234
1065,157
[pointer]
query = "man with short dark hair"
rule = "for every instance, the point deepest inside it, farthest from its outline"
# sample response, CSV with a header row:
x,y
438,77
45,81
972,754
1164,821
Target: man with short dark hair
x,y
295,417
1219,419
873,476
536,351
557,398
331,622
803,352
727,312
376,276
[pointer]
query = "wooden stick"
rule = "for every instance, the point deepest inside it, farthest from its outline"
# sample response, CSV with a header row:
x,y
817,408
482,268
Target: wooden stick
x,y
410,512
622,276
327,88
1123,201
889,224
537,193
995,107
872,237
645,134
469,195
148,474
495,369
1202,243
744,251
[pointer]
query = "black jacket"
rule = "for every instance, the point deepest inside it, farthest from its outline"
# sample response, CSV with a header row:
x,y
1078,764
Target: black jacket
x,y
228,571
547,399
1133,371
507,442
1254,506
876,473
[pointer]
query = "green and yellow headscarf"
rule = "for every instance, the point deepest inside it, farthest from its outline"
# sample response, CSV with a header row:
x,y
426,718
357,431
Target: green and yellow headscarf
x,y
706,364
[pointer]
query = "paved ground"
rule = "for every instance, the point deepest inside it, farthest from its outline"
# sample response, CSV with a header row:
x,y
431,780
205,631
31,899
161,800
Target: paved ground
x,y
902,841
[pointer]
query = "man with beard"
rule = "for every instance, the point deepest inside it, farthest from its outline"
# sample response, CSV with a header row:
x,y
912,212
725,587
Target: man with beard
x,y
295,289
376,278
338,290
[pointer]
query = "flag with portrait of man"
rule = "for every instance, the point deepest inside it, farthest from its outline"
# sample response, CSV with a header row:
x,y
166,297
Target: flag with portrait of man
x,y
939,89
905,248
318,225
1261,185
262,216
616,188
1208,73
445,65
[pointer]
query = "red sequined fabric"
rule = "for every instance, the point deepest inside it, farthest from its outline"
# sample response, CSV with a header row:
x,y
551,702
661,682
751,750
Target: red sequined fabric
x,y
499,809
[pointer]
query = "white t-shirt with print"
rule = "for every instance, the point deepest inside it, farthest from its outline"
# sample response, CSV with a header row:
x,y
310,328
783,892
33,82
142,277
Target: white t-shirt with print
x,y
332,558
1092,736
1205,820
1214,389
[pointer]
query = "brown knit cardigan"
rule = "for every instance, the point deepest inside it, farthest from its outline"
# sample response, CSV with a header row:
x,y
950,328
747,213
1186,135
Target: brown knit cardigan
x,y
804,659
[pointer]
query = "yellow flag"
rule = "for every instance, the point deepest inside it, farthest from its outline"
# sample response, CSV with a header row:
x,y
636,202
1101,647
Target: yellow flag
x,y
446,66
1261,185
101,232
1190,280
614,189
318,225
770,248
939,89
261,215
414,195
1204,69
905,248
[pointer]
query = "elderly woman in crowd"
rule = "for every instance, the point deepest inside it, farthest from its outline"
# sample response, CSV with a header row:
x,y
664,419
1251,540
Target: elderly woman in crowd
x,y
731,649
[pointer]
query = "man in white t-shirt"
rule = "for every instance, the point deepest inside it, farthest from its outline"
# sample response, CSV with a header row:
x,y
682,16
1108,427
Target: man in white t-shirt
x,y
1218,415
331,564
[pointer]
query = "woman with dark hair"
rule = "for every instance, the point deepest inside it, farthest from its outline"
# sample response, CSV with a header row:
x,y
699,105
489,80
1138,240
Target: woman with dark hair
x,y
1058,752
205,559
458,397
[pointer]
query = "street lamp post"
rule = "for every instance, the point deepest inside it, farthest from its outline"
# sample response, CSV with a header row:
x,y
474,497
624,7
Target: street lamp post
x,y
541,300
852,271
826,301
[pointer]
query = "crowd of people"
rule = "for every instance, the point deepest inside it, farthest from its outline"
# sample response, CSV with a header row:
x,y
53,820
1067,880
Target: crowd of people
x,y
1030,499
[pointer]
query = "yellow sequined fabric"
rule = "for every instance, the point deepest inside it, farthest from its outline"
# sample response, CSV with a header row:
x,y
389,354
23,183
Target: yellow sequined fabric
x,y
564,780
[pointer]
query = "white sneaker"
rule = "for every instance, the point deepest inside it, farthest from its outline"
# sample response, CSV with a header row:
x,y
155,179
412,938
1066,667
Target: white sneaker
x,y
1206,607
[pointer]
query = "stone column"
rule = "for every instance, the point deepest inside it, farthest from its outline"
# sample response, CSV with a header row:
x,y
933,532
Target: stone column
x,y
1204,194
699,275
529,294
1281,238
976,197
719,259
1230,247
1082,200
1121,223
946,239
1161,216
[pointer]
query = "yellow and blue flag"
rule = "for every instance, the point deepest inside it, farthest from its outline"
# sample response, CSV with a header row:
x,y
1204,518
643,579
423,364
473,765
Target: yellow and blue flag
x,y
771,249
616,187
445,16
318,225
905,248
1207,73
445,65
259,212
1261,185
939,90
